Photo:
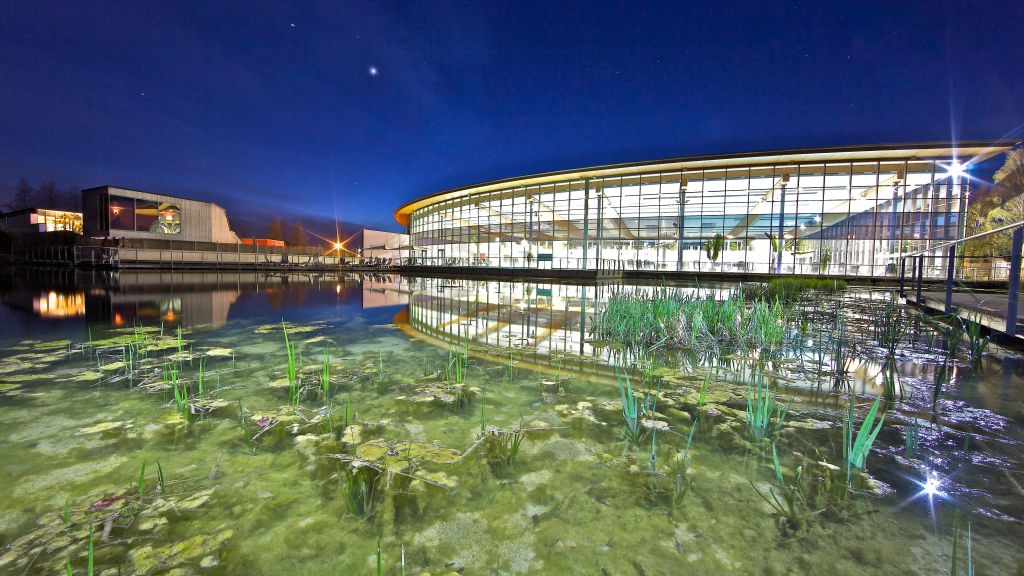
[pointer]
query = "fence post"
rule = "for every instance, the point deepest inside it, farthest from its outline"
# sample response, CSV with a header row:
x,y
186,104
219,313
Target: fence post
x,y
903,273
920,277
1014,282
950,271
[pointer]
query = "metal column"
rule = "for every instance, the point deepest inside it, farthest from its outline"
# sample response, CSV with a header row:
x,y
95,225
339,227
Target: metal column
x,y
1014,282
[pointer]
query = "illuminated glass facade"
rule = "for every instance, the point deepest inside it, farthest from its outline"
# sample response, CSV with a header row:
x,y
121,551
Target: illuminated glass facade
x,y
843,212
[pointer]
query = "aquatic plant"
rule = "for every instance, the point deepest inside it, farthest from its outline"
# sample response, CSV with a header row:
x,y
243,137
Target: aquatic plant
x,y
840,356
702,324
954,557
788,289
943,376
361,488
90,566
976,342
890,325
855,450
630,410
911,439
891,382
682,477
292,369
142,480
455,369
66,517
160,484
380,565
501,448
182,400
791,504
199,378
765,415
325,374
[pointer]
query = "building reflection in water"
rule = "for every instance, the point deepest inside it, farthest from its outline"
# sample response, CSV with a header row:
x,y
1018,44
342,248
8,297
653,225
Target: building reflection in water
x,y
550,326
53,304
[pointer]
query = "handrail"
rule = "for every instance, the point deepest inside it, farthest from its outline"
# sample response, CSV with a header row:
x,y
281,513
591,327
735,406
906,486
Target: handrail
x,y
954,242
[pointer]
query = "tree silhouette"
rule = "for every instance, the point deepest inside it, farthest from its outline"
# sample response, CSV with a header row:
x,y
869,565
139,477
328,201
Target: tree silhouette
x,y
274,230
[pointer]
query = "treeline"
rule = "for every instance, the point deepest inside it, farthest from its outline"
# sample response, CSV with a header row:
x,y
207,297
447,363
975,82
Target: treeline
x,y
292,232
46,195
1002,205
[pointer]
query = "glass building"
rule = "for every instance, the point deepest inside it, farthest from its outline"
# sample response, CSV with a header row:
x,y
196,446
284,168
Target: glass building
x,y
839,211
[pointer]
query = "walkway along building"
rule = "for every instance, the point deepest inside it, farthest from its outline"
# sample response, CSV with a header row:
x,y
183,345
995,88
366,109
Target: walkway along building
x,y
840,211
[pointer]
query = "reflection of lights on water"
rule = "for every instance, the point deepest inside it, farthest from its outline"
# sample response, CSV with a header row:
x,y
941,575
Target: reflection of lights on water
x,y
55,305
931,488
337,289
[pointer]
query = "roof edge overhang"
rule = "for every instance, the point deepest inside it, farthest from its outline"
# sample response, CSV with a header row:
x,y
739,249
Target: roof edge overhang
x,y
975,150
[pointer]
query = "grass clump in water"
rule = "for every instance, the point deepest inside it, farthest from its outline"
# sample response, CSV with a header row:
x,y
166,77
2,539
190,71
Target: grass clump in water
x,y
790,289
765,415
697,323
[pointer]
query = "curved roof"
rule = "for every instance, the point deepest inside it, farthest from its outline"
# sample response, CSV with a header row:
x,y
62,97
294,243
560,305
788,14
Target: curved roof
x,y
974,150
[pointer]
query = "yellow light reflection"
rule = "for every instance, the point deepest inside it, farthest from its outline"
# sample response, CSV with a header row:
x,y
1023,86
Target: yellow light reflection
x,y
57,305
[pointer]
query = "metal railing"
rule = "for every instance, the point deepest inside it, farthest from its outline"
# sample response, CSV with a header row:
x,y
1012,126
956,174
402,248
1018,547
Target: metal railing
x,y
1013,293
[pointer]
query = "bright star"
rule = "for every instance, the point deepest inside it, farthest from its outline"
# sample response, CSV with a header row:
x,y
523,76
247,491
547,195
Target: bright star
x,y
373,70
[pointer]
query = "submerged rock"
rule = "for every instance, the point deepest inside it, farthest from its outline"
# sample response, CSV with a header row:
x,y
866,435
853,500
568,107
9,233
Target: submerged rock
x,y
396,454
148,559
106,427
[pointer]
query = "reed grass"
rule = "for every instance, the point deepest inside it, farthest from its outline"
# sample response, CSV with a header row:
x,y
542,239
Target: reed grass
x,y
789,289
142,480
362,484
501,447
701,324
630,409
765,415
912,439
160,483
856,450
292,368
976,342
90,567
325,374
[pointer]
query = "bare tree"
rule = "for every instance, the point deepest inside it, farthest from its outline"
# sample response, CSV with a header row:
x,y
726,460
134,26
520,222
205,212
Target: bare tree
x,y
274,230
298,234
47,195
23,194
73,199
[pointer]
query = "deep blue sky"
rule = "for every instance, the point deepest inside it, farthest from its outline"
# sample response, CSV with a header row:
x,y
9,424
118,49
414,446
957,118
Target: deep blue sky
x,y
272,109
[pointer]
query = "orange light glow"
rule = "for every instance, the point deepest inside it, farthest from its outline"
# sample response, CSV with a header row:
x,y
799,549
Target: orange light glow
x,y
54,305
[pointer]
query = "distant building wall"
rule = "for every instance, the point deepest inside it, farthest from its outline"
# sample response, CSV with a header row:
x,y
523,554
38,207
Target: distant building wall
x,y
33,220
381,244
111,212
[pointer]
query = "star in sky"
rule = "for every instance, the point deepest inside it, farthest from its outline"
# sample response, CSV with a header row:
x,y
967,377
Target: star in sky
x,y
374,71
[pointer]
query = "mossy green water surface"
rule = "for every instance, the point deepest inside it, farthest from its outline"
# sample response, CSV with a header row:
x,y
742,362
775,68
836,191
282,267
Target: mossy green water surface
x,y
478,428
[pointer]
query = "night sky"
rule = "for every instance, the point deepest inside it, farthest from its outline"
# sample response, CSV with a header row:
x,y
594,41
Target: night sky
x,y
348,109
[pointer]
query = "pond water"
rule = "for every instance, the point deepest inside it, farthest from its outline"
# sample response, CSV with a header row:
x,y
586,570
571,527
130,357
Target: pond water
x,y
478,427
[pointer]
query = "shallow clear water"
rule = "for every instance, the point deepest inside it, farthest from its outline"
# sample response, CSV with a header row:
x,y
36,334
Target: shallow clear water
x,y
255,486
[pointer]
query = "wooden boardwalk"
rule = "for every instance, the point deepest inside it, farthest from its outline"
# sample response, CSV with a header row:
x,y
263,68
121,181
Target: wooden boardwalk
x,y
988,308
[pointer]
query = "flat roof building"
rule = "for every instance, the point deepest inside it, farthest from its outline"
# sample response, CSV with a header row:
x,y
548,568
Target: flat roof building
x,y
842,211
111,212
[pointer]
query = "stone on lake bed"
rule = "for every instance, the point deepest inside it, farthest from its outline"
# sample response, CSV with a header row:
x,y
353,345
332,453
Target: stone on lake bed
x,y
219,352
397,453
148,559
